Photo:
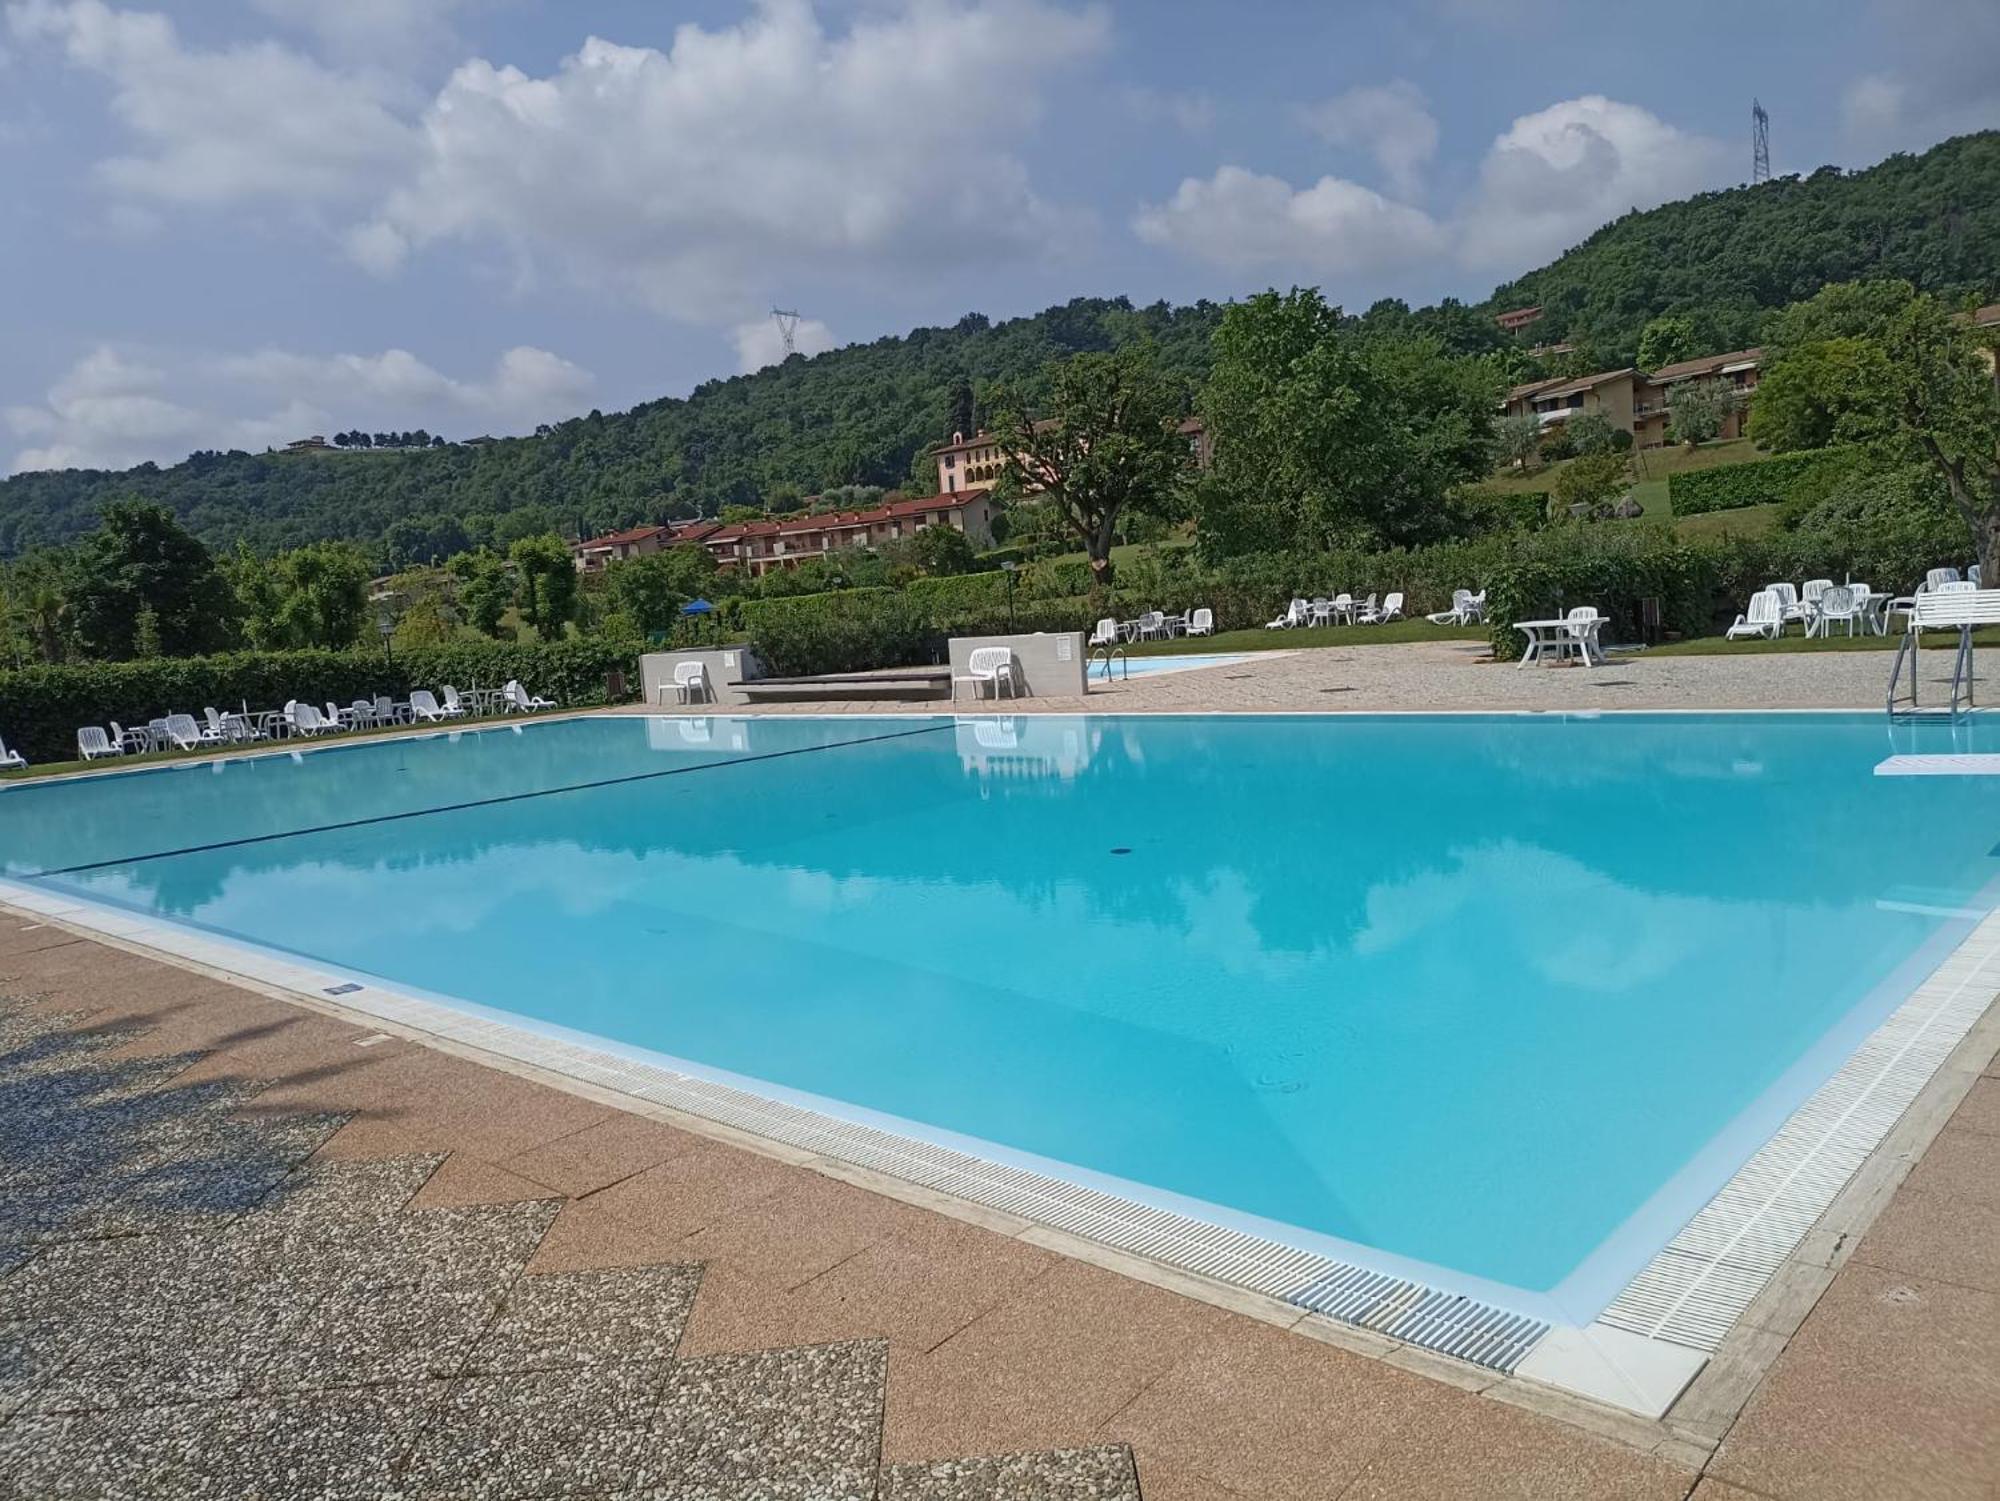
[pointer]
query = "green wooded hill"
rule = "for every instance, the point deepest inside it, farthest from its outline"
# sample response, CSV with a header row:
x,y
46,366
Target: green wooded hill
x,y
867,413
1726,258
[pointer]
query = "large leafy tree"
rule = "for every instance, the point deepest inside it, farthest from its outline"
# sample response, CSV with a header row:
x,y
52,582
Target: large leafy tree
x,y
1668,340
140,559
545,583
1106,440
1914,380
650,590
1697,409
1325,434
325,588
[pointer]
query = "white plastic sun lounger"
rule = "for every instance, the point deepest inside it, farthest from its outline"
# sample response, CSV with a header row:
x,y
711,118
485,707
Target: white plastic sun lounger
x,y
520,700
424,705
10,759
92,742
1762,618
1201,622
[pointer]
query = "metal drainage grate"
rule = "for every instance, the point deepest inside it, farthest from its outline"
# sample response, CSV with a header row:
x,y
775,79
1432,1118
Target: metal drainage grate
x,y
1449,1323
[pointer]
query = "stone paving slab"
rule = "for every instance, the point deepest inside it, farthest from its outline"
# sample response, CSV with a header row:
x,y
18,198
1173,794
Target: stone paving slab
x,y
793,1390
1103,1473
785,1425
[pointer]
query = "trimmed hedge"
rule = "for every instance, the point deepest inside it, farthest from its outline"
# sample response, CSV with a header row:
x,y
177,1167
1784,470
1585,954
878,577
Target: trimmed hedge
x,y
1757,483
42,707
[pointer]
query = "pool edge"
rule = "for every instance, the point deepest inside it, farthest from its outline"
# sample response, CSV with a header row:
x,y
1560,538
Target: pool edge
x,y
1636,1371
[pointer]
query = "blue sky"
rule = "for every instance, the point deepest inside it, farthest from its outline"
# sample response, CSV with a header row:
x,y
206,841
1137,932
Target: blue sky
x,y
233,222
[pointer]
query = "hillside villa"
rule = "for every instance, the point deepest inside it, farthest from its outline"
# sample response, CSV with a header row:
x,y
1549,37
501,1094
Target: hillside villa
x,y
982,458
1635,401
784,542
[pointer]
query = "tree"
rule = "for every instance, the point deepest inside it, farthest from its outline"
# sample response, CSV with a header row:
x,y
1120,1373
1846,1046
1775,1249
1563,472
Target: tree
x,y
1592,433
324,594
1589,480
142,558
941,550
649,590
1325,433
485,589
1697,410
1819,394
1107,438
545,583
1667,341
959,402
1519,439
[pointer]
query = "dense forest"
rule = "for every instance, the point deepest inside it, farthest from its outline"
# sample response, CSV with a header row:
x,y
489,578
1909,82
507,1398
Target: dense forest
x,y
1726,259
866,414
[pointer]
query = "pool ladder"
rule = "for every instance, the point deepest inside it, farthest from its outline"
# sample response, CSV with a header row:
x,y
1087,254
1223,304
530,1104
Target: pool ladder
x,y
1111,653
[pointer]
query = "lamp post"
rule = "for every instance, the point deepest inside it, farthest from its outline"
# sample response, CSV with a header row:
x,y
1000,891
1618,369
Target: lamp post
x,y
387,626
1011,568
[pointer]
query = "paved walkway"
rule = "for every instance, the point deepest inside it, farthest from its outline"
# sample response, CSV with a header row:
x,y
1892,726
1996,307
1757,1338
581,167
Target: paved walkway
x,y
251,1250
1447,675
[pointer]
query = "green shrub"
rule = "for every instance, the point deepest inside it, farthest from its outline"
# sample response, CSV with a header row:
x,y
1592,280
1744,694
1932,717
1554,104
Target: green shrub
x,y
42,707
1479,509
1613,568
961,591
1757,483
847,630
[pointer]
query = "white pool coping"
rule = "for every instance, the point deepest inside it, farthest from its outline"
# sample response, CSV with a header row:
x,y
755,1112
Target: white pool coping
x,y
1638,1355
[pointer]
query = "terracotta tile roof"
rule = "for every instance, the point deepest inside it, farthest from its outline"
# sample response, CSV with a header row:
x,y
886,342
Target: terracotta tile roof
x,y
620,539
843,520
1710,365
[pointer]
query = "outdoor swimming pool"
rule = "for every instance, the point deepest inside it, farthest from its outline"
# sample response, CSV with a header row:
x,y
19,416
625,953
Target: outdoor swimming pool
x,y
1140,667
1497,999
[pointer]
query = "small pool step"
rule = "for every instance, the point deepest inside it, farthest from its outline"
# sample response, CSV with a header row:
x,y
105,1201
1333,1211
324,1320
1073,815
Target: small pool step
x,y
1965,765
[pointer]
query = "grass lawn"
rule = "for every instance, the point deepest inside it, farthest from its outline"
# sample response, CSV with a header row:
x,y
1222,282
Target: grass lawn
x,y
1255,639
259,747
1651,469
1744,521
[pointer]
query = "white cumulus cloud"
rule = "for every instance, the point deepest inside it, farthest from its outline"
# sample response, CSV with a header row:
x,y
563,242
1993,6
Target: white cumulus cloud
x,y
1554,176
114,408
1391,122
212,126
702,178
1242,219
376,29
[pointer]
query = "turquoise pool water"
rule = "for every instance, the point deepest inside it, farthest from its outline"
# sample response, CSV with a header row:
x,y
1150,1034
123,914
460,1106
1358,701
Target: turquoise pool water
x,y
1500,999
1141,667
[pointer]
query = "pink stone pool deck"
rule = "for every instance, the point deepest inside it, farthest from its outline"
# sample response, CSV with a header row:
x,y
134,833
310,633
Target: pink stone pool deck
x,y
1455,675
255,1249
253,1246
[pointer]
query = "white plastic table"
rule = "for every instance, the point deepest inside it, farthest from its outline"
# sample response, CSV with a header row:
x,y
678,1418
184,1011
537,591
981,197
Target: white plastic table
x,y
1562,639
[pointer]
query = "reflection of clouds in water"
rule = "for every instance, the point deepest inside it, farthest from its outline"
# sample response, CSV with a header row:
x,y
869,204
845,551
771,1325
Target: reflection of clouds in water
x,y
1567,922
1218,919
821,892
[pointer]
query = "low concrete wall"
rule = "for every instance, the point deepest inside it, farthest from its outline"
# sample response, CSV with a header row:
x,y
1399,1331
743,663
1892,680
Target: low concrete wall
x,y
728,668
1050,665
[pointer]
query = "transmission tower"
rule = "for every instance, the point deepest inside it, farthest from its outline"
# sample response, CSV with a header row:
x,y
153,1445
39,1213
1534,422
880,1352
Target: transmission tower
x,y
787,320
1760,143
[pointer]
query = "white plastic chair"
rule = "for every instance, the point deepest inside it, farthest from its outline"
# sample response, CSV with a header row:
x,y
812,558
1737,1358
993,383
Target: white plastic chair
x,y
10,759
1201,622
92,742
1938,577
1152,625
1834,606
1392,609
133,741
1476,608
989,666
384,710
1458,614
1106,633
454,707
305,719
519,700
1322,611
1584,625
183,731
1789,608
691,684
215,730
1763,618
